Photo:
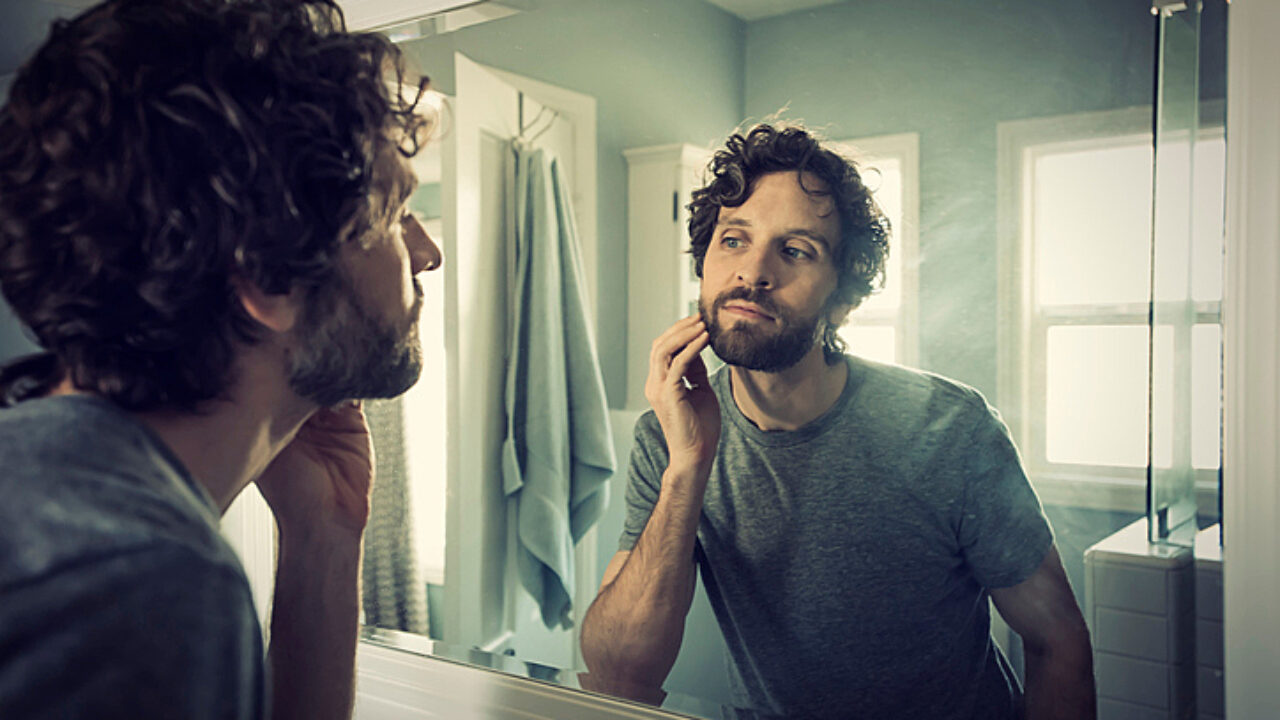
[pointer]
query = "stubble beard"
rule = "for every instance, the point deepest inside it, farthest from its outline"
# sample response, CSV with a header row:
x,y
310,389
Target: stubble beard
x,y
347,352
752,347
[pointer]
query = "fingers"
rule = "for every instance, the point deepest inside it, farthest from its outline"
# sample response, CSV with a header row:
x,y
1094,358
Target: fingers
x,y
674,358
687,364
670,344
347,417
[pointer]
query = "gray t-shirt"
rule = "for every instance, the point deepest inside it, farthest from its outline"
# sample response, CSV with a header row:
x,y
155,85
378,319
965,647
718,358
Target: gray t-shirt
x,y
848,562
118,595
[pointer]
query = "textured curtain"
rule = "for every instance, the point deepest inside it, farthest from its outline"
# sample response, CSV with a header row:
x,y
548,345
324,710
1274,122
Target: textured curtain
x,y
393,596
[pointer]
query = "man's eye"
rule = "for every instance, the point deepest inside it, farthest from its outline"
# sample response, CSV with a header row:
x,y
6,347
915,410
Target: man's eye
x,y
731,242
796,253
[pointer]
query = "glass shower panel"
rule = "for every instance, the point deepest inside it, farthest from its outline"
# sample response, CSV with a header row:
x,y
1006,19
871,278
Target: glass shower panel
x,y
1171,500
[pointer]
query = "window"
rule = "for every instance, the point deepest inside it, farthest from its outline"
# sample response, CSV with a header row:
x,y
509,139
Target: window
x,y
1077,356
884,327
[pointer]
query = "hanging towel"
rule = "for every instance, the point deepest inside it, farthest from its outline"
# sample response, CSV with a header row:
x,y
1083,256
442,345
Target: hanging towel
x,y
558,455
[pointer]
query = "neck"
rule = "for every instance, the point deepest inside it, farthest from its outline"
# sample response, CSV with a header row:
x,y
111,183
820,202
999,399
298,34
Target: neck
x,y
228,442
791,398
227,445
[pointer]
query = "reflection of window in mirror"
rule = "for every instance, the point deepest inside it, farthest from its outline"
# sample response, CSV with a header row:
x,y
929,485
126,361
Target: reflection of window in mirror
x,y
1076,219
424,412
884,327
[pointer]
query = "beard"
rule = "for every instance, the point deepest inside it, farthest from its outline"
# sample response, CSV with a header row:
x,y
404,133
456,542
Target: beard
x,y
347,352
752,347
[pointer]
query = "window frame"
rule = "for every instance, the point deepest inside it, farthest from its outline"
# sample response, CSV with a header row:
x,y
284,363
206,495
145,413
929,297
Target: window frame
x,y
904,240
1023,328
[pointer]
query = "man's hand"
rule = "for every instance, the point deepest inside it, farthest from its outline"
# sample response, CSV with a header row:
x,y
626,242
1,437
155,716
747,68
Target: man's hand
x,y
318,488
680,392
631,634
325,475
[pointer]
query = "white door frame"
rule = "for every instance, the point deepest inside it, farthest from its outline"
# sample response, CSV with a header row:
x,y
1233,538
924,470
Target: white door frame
x,y
1251,364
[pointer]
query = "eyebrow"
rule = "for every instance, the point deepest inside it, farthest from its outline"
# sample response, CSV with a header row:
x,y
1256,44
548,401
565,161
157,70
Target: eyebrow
x,y
791,232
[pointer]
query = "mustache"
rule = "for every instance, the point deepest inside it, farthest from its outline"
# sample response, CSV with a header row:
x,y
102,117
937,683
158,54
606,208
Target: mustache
x,y
758,296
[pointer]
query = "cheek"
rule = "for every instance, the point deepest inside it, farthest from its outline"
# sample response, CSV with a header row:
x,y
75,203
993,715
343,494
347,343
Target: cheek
x,y
383,271
713,268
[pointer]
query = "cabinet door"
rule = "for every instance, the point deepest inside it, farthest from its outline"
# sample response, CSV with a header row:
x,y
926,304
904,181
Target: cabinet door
x,y
662,287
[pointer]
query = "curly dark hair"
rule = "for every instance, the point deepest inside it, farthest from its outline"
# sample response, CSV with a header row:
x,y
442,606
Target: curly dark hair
x,y
767,148
154,152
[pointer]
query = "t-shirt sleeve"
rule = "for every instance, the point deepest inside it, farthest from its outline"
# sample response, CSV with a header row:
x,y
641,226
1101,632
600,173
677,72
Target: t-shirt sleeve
x,y
1002,530
156,632
644,478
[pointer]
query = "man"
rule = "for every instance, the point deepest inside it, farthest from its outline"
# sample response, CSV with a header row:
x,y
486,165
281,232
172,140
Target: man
x,y
850,519
203,222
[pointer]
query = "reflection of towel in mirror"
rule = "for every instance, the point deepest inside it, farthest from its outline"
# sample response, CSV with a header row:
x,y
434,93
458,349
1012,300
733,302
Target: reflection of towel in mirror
x,y
558,454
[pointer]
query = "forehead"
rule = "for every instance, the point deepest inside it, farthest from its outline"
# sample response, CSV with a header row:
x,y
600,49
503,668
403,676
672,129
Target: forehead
x,y
786,200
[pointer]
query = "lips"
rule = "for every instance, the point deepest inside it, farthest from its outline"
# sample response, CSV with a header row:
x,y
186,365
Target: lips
x,y
741,308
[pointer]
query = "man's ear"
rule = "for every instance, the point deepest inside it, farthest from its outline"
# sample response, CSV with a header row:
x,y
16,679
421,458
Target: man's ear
x,y
838,314
277,313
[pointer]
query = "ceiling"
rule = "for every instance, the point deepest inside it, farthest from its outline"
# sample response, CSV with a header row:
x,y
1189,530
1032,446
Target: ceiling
x,y
24,23
758,9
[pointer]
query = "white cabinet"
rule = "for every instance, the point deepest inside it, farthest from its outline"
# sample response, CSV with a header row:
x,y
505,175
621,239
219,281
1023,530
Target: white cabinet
x,y
662,287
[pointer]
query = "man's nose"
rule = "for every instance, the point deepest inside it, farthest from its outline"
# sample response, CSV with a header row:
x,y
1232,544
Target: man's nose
x,y
424,254
756,269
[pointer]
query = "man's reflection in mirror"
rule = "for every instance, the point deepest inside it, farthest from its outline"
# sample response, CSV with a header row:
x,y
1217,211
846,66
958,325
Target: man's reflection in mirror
x,y
850,519
203,224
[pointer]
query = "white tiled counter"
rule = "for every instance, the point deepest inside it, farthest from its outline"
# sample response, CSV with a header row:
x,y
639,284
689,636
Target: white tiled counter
x,y
1140,606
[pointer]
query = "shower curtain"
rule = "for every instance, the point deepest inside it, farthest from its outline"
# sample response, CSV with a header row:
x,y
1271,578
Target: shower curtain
x,y
392,595
558,455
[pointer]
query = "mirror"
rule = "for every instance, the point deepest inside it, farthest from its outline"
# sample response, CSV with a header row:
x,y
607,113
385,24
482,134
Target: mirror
x,y
1013,149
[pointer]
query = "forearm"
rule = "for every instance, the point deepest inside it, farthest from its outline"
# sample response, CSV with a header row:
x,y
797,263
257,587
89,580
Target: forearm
x,y
634,628
1060,682
314,625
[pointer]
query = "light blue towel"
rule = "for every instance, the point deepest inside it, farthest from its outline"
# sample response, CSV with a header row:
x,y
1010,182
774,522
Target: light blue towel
x,y
558,455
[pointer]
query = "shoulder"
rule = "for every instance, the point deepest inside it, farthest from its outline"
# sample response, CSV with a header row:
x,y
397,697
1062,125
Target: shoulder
x,y
83,482
154,584
647,425
916,397
148,593
650,443
161,628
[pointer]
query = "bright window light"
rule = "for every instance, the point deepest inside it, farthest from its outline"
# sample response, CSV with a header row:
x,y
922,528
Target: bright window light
x,y
425,428
1092,220
1096,404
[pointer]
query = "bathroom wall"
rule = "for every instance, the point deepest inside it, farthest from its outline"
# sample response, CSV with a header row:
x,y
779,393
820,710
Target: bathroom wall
x,y
951,72
23,26
661,71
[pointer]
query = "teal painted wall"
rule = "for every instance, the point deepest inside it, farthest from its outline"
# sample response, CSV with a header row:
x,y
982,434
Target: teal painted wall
x,y
661,71
951,72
